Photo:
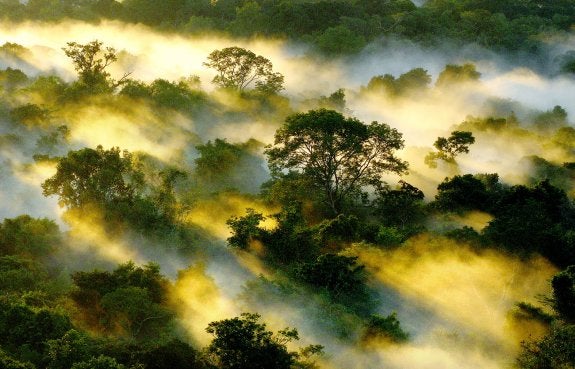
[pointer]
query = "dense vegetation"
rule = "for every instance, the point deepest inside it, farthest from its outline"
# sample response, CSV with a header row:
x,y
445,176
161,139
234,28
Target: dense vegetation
x,y
84,290
333,27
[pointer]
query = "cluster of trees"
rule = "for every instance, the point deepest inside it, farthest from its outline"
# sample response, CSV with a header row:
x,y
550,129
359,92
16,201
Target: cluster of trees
x,y
325,176
332,26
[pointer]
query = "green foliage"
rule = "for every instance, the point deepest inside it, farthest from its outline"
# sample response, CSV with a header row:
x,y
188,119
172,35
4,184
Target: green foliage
x,y
465,234
454,74
249,20
30,115
462,193
560,176
342,228
340,277
563,284
448,148
63,352
389,236
20,275
340,155
127,302
292,187
10,78
225,166
244,343
52,141
291,240
528,311
27,236
538,219
245,229
49,89
240,69
555,351
154,13
414,81
100,362
401,207
90,62
339,40
131,312
551,120
386,328
20,326
125,275
7,362
92,176
172,354
178,96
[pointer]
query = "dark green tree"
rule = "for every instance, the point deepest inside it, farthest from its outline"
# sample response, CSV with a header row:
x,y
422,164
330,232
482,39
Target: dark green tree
x,y
448,148
563,284
453,74
401,207
90,61
92,176
341,155
244,343
245,229
339,277
7,362
63,352
386,328
554,351
30,237
538,219
100,362
462,193
241,69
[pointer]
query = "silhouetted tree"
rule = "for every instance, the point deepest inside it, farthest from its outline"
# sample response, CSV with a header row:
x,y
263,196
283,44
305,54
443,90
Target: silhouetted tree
x,y
241,69
341,155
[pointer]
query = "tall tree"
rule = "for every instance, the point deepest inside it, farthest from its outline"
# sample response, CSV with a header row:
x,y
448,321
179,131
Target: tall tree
x,y
90,61
92,176
241,69
341,155
448,148
244,343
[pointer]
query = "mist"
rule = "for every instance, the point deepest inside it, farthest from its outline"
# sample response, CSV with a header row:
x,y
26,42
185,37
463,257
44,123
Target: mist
x,y
468,326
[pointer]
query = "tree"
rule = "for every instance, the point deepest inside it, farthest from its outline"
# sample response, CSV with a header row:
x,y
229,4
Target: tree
x,y
240,69
92,176
63,352
539,219
462,193
341,155
554,351
244,343
563,284
401,207
100,362
339,40
7,362
386,328
413,81
27,236
448,148
453,74
245,229
127,301
90,61
337,275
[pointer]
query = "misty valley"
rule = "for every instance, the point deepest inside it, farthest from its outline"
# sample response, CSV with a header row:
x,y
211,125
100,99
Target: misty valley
x,y
298,184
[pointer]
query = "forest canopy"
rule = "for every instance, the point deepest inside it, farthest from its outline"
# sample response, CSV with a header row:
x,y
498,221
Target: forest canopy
x,y
287,184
